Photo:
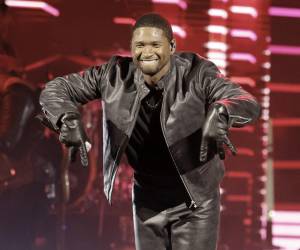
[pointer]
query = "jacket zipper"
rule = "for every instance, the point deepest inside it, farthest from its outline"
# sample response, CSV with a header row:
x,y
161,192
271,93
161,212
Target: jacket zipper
x,y
193,204
118,153
115,168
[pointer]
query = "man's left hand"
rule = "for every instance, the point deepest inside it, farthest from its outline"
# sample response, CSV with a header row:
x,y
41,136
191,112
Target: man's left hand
x,y
215,129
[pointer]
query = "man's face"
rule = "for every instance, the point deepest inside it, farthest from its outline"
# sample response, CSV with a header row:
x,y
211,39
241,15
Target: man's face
x,y
150,50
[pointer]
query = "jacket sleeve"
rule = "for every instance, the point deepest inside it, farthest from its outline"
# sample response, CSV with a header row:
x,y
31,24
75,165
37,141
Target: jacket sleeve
x,y
241,106
65,94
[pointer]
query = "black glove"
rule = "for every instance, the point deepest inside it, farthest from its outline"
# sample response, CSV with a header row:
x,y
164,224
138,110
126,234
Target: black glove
x,y
68,135
215,129
72,134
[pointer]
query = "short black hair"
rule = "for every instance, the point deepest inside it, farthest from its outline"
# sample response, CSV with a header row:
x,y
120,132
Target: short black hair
x,y
154,20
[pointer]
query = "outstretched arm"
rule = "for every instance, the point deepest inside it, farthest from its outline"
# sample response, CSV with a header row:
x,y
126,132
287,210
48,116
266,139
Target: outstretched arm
x,y
60,100
228,105
63,94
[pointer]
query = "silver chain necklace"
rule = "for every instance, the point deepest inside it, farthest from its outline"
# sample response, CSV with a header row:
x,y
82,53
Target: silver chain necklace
x,y
155,105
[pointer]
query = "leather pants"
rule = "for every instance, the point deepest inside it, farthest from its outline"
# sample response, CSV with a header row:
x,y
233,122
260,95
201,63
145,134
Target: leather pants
x,y
178,228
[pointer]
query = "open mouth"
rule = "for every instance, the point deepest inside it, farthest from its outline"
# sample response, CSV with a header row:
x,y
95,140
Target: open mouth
x,y
148,60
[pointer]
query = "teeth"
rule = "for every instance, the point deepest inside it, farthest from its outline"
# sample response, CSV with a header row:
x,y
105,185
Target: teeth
x,y
149,59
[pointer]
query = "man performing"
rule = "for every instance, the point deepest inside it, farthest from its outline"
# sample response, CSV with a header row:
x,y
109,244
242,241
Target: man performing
x,y
170,113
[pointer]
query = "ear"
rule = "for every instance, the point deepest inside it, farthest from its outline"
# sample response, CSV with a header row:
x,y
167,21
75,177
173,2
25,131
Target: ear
x,y
173,46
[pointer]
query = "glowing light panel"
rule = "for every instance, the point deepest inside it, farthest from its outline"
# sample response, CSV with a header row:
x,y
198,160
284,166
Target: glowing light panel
x,y
285,50
180,3
217,29
284,12
246,10
244,34
33,5
236,56
179,31
218,13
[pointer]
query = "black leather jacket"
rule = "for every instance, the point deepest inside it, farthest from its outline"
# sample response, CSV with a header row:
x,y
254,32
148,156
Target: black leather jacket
x,y
191,86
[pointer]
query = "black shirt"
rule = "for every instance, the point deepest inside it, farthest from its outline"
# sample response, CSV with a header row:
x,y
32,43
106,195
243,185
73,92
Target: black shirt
x,y
157,183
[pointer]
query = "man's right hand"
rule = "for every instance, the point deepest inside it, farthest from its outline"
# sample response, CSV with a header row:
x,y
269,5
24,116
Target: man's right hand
x,y
72,134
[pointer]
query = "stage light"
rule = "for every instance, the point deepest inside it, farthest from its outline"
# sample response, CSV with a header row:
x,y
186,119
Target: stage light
x,y
239,174
216,55
13,172
219,62
218,13
216,46
223,71
263,179
266,91
247,129
33,5
180,3
239,56
245,151
286,230
284,87
266,78
286,243
238,198
286,122
217,29
218,58
284,12
287,165
247,10
265,105
267,52
266,65
124,20
244,80
285,50
244,34
179,31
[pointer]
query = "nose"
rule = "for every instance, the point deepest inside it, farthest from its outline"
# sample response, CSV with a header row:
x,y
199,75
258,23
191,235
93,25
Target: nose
x,y
148,50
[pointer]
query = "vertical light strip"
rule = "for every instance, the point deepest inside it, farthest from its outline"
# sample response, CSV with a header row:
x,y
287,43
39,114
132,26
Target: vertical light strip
x,y
217,46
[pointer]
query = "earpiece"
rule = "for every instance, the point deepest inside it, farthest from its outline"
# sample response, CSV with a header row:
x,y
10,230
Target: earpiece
x,y
173,46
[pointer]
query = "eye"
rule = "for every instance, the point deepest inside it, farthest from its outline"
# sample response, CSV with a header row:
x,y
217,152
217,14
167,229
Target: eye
x,y
139,45
156,45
